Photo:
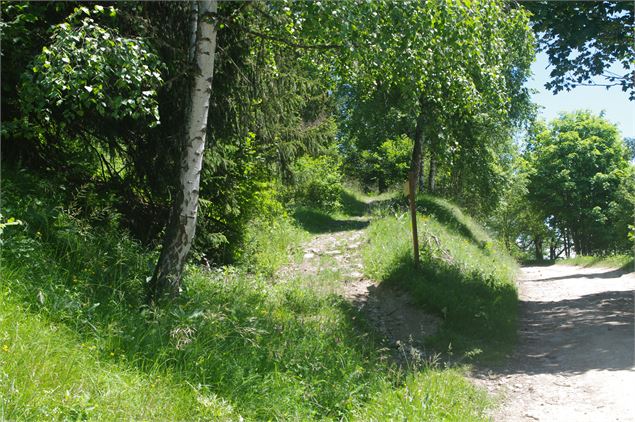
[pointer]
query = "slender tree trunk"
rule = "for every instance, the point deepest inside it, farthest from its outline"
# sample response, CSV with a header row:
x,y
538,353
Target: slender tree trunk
x,y
422,177
432,174
416,163
567,243
182,225
538,250
432,171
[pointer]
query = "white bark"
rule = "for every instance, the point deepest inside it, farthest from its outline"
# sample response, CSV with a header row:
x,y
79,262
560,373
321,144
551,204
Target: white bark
x,y
182,226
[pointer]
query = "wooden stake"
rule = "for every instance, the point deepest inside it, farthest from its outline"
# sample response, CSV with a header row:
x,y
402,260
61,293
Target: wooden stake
x,y
412,188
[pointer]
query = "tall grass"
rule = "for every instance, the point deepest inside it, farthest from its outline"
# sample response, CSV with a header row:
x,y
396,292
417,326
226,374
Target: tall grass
x,y
78,342
465,277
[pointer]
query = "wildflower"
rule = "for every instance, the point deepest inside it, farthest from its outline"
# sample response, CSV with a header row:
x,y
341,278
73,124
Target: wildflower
x,y
5,348
112,353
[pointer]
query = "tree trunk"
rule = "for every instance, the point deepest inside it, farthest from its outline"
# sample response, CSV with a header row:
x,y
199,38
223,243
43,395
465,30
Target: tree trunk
x,y
416,163
538,250
182,225
432,174
422,177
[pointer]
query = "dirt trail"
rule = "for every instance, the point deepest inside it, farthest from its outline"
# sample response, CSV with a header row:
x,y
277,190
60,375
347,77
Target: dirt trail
x,y
575,360
403,325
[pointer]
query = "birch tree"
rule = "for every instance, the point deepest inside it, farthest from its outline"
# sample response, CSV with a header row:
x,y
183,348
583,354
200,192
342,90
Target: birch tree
x,y
182,225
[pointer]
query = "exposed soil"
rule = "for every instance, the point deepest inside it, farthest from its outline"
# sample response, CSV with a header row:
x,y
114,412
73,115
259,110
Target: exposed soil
x,y
403,325
575,359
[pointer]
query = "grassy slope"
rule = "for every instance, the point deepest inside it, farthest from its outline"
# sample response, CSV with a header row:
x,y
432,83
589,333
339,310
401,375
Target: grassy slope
x,y
465,277
624,262
76,340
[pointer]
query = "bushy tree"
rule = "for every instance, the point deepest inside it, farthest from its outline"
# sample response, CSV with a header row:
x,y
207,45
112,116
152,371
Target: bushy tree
x,y
581,180
446,79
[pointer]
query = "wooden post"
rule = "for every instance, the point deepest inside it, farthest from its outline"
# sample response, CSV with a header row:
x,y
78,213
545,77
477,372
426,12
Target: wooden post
x,y
412,189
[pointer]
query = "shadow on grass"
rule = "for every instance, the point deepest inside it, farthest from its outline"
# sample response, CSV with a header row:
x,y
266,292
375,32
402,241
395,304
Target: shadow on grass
x,y
603,261
478,312
315,221
629,267
537,263
447,217
179,338
353,206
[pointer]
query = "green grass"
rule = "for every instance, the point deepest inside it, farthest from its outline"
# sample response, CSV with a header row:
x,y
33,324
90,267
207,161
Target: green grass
x,y
315,221
78,342
270,244
623,262
430,395
464,277
48,373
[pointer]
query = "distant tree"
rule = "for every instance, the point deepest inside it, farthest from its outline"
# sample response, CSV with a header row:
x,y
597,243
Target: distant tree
x,y
630,144
583,39
581,180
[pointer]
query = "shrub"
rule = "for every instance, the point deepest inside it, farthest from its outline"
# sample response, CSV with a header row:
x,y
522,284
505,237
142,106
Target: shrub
x,y
318,182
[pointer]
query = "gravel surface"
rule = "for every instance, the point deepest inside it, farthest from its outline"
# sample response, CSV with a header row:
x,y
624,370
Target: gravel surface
x,y
575,360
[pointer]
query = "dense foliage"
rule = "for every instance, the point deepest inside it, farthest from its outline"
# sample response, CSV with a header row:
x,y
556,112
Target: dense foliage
x,y
572,191
582,182
308,99
451,74
586,42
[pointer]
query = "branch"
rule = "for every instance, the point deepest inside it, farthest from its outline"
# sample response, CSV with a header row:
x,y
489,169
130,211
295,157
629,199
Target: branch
x,y
291,43
596,84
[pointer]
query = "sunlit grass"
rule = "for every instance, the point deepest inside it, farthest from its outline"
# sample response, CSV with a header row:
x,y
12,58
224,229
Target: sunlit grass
x,y
625,262
78,342
465,277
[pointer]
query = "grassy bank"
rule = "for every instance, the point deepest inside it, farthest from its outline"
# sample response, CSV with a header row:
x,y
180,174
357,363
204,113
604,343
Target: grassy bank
x,y
78,342
465,277
624,262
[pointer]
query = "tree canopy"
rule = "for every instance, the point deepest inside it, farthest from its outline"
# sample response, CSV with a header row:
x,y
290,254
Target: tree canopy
x,y
581,180
583,39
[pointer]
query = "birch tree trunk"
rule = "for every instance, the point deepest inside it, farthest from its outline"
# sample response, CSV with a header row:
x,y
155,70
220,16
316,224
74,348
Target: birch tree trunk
x,y
416,167
182,225
416,162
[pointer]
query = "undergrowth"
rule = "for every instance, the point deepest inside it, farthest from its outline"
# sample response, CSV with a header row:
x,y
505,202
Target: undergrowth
x,y
464,277
78,342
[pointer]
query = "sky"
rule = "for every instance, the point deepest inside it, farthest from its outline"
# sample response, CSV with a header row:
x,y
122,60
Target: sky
x,y
618,109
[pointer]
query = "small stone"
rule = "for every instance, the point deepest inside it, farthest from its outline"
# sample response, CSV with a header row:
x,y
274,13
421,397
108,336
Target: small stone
x,y
308,255
333,252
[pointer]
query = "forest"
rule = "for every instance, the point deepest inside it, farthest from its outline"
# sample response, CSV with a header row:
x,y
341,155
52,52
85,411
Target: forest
x,y
207,208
